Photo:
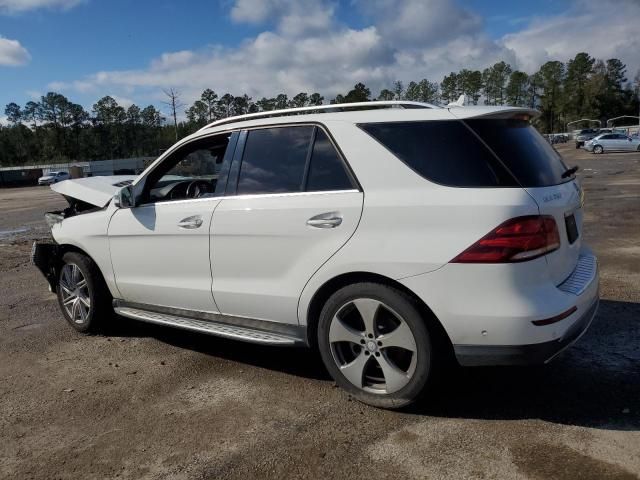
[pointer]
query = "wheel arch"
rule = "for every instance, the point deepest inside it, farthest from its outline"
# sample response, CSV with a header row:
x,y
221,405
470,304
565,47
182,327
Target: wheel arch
x,y
66,248
331,286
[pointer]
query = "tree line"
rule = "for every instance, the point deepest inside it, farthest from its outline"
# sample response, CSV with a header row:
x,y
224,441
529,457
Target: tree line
x,y
54,129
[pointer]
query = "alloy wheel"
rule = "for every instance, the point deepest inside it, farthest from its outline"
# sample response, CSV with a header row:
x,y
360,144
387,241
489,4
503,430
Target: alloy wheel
x,y
373,346
76,299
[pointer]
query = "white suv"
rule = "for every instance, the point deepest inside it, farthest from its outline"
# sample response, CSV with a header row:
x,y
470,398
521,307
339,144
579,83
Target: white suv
x,y
388,235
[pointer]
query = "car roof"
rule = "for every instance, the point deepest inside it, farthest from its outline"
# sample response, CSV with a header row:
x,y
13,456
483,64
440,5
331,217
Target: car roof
x,y
363,115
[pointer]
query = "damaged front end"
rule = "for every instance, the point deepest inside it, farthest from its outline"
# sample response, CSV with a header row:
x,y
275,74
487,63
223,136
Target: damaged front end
x,y
46,257
84,195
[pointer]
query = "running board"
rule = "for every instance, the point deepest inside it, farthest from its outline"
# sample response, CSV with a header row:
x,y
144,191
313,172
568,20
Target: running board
x,y
227,330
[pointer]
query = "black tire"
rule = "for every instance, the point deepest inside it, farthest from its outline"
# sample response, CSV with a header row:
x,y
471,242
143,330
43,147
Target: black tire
x,y
100,309
598,149
405,307
577,145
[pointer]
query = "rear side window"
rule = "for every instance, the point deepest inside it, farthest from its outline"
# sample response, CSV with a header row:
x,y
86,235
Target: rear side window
x,y
518,145
274,160
326,171
445,152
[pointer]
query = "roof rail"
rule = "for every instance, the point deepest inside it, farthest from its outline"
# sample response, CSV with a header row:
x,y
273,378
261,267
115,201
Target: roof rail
x,y
336,107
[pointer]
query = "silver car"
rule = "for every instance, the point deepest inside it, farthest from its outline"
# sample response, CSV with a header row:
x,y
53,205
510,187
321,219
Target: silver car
x,y
53,177
613,142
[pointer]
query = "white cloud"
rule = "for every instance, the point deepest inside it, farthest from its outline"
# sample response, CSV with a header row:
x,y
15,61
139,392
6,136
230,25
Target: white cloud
x,y
293,17
604,29
122,101
18,6
421,23
305,48
3,120
12,54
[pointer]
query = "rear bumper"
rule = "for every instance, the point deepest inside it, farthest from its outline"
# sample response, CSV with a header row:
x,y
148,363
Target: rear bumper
x,y
538,353
510,314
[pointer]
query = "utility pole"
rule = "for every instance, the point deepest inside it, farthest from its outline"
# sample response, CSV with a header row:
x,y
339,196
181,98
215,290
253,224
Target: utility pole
x,y
174,104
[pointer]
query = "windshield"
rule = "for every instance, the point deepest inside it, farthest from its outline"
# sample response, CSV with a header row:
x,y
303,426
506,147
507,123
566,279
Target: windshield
x,y
531,159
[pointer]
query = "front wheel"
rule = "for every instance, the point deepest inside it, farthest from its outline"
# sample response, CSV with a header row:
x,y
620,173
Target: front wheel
x,y
598,149
83,296
375,344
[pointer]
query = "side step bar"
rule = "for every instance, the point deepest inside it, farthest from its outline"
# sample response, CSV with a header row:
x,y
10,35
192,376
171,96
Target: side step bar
x,y
222,326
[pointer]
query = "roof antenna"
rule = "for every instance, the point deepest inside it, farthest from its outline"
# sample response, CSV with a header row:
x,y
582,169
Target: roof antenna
x,y
459,102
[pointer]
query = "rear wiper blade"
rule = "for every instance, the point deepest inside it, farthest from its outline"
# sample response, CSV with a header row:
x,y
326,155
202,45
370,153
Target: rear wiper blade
x,y
570,171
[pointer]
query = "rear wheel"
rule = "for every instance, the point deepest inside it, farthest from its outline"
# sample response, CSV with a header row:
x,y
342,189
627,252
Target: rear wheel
x,y
598,149
375,344
83,296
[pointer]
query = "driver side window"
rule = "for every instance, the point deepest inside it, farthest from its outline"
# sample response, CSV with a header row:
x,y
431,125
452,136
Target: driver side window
x,y
191,171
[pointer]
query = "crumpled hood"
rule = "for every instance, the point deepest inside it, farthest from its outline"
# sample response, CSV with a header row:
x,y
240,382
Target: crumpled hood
x,y
96,191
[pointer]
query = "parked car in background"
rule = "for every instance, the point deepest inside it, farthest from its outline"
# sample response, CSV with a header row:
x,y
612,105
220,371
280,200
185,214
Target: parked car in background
x,y
53,177
585,135
390,237
612,142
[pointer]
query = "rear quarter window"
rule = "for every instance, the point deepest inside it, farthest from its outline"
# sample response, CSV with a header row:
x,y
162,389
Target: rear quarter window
x,y
444,152
519,146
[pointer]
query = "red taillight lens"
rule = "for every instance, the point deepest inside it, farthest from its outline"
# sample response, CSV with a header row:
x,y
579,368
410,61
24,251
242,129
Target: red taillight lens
x,y
516,240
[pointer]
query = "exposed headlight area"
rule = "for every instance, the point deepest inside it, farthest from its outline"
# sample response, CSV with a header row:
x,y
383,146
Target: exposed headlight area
x,y
52,218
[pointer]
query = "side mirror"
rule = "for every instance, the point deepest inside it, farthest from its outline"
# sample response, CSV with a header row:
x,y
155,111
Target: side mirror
x,y
125,198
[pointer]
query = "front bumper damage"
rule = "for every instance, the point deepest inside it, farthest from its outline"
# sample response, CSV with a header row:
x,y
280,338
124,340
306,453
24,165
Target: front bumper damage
x,y
46,256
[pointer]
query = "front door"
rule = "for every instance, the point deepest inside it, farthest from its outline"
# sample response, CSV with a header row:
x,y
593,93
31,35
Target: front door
x,y
291,204
160,249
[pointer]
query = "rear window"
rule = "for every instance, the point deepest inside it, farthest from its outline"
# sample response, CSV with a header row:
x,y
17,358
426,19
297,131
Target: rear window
x,y
444,152
523,151
455,153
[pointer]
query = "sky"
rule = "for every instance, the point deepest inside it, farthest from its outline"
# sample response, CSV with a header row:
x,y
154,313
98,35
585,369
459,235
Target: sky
x,y
132,50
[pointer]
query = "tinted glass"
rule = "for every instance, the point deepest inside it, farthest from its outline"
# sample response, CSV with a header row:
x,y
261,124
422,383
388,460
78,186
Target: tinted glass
x,y
607,137
327,171
202,163
198,160
445,152
274,160
523,150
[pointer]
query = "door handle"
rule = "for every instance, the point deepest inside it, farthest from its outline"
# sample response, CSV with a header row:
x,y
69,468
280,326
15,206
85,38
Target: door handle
x,y
190,223
325,220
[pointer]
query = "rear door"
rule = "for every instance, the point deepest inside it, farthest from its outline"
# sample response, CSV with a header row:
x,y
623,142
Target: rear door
x,y
541,172
291,203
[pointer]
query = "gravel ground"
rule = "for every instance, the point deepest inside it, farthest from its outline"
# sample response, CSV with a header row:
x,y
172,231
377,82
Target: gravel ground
x,y
152,402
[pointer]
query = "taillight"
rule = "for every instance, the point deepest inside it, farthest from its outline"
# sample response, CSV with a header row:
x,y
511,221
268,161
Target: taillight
x,y
516,240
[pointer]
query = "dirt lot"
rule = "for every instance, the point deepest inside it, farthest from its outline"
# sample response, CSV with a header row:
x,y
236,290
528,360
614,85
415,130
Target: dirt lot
x,y
151,402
